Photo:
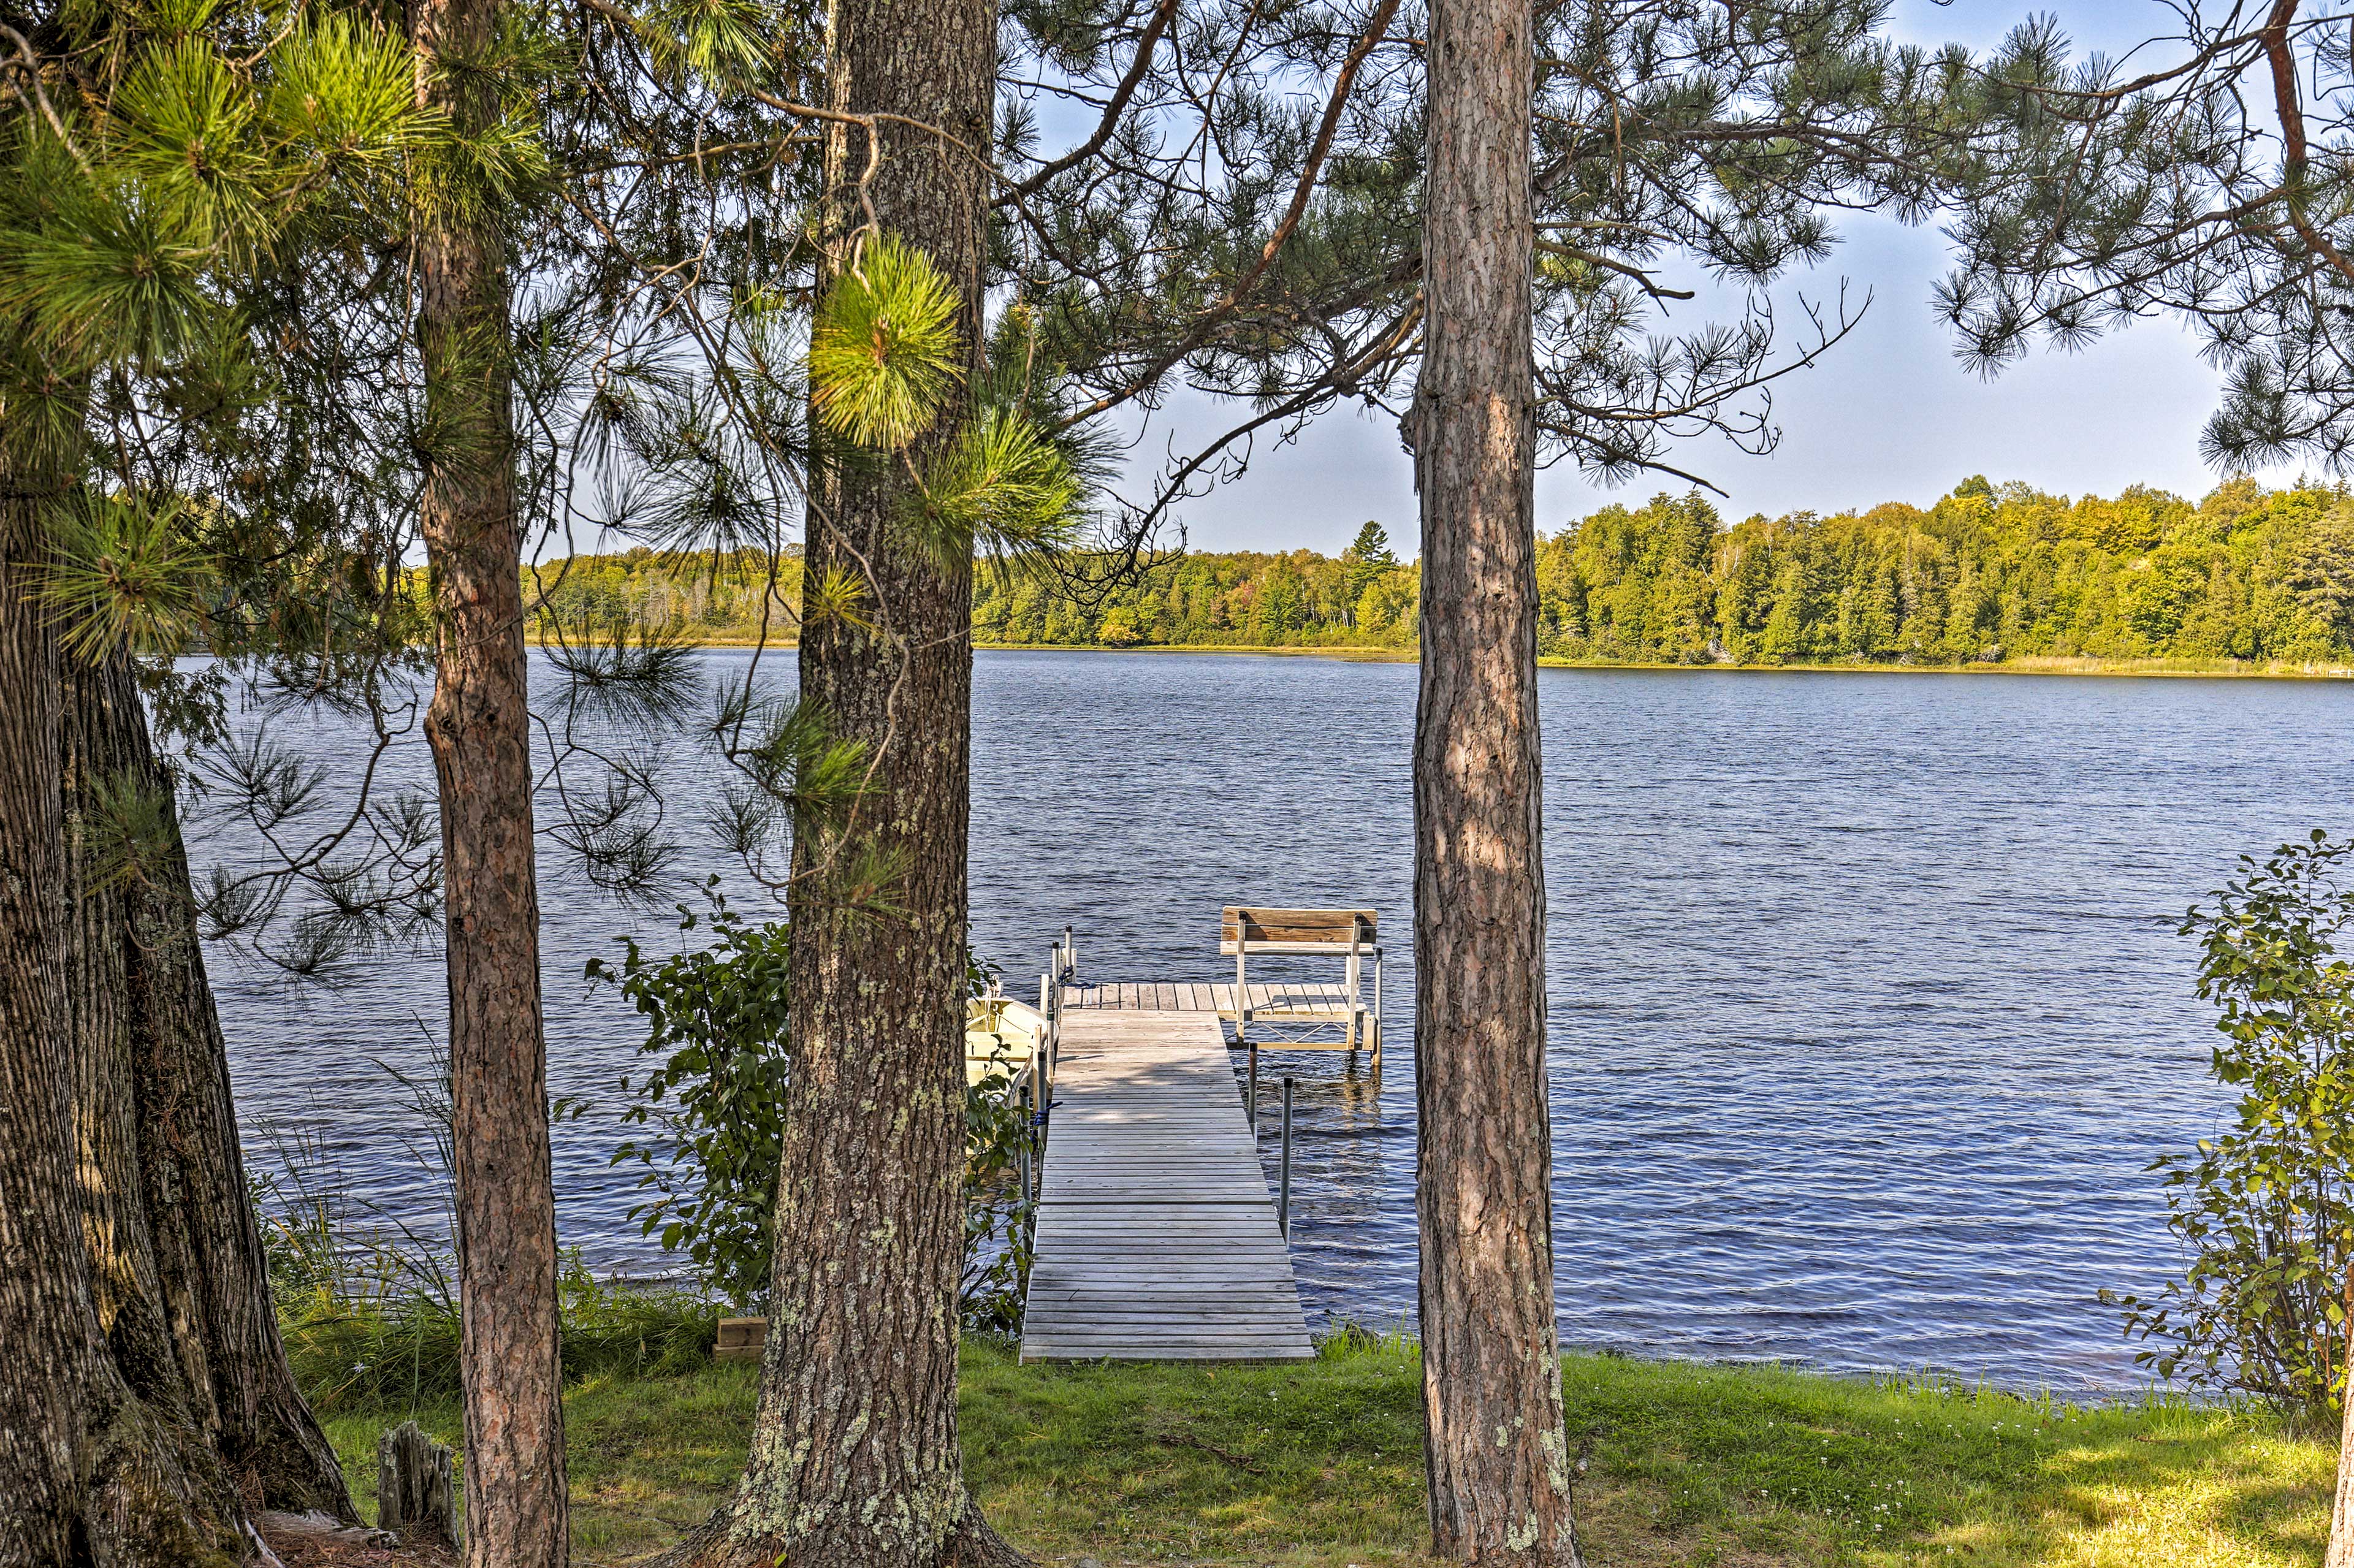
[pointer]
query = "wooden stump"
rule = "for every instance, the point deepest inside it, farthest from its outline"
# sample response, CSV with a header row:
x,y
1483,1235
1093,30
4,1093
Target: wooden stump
x,y
740,1340
413,1494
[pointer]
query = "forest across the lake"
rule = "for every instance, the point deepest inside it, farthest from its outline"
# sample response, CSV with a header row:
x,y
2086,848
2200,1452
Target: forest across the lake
x,y
1989,574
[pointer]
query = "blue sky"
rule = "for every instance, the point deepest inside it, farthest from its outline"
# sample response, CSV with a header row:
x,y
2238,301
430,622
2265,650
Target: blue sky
x,y
1889,415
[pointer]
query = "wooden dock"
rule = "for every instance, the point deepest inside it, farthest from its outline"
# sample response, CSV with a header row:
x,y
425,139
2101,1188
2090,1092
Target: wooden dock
x,y
1156,1237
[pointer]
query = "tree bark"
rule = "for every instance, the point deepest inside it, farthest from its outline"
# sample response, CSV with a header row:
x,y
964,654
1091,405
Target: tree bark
x,y
479,725
1499,1465
99,1461
854,1457
176,1251
2340,1552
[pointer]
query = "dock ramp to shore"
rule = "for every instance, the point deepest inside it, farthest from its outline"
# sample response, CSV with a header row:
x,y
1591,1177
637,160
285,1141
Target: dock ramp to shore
x,y
1156,1238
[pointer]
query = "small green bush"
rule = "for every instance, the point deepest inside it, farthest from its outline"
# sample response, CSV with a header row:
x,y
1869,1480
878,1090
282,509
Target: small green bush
x,y
717,1019
2264,1210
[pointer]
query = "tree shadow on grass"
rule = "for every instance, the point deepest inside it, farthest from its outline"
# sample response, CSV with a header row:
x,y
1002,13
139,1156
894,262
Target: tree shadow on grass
x,y
2289,1522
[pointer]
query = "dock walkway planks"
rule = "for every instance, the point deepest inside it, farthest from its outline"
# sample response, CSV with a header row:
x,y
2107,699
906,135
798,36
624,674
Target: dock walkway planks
x,y
1156,1238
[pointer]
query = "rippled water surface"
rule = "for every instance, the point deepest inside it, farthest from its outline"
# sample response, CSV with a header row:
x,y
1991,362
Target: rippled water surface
x,y
1868,1007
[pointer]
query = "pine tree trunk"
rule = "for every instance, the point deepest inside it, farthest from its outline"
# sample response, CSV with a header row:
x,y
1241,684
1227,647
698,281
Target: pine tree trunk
x,y
176,1254
479,725
100,1461
1498,1457
854,1457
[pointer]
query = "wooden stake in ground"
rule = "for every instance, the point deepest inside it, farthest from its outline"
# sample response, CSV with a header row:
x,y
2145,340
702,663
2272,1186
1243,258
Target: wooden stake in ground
x,y
479,725
1498,1456
2340,1551
413,1496
854,1457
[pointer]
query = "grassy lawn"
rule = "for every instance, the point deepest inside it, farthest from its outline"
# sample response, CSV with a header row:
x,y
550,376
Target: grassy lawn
x,y
1320,1465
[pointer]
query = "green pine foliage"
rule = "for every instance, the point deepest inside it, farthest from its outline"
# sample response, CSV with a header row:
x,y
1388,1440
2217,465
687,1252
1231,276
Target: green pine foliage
x,y
154,217
1000,487
884,348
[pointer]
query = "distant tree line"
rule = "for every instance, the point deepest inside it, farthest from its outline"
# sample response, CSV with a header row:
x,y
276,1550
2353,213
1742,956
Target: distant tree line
x,y
1985,574
1246,598
1362,598
714,595
1988,573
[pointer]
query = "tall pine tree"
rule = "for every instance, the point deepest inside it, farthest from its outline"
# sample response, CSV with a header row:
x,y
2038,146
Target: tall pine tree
x,y
146,1398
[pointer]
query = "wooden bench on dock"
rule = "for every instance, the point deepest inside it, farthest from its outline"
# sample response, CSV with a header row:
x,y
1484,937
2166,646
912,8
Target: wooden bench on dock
x,y
1350,935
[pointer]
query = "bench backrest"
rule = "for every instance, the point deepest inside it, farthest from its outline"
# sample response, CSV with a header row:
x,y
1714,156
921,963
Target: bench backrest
x,y
1297,928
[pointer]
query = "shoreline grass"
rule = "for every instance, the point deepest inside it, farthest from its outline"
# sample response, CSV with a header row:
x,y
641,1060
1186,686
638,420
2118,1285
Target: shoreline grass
x,y
1319,1466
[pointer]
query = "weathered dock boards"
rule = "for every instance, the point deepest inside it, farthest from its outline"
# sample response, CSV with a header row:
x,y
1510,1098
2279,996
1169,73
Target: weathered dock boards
x,y
1156,1239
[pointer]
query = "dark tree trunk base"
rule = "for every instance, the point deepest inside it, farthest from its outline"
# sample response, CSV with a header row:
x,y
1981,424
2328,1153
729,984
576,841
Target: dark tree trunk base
x,y
978,1545
183,1279
106,1432
972,1544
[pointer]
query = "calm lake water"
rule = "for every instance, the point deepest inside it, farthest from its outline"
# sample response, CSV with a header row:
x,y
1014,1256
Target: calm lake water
x,y
1867,1009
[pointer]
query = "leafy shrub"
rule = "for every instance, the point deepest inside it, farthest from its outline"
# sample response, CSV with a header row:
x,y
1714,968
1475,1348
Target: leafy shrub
x,y
2264,1210
717,1019
996,1213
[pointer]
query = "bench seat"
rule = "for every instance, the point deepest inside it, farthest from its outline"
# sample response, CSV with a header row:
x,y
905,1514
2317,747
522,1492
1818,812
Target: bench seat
x,y
1352,935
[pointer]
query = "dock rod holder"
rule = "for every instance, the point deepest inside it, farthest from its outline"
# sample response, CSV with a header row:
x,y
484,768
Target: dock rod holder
x,y
1283,1179
1027,1105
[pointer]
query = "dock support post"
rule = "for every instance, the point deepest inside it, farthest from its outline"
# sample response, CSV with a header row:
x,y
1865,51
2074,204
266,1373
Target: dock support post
x,y
1050,1044
1250,1097
1353,1006
1283,1179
